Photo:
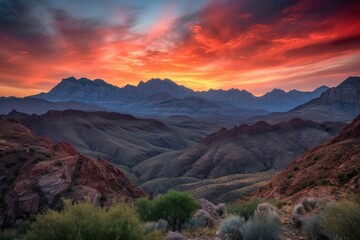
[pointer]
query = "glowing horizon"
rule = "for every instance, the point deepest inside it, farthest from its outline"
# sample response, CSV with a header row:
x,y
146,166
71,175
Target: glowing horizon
x,y
246,44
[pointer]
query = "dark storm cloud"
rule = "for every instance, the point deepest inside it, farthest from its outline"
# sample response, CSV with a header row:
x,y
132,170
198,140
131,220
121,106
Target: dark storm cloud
x,y
22,18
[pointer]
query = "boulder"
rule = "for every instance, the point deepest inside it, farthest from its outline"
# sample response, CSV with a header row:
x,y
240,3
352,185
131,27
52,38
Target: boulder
x,y
175,236
209,207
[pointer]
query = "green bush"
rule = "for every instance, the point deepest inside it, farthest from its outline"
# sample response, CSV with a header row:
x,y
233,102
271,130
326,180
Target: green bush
x,y
87,221
266,228
232,228
342,220
175,207
247,209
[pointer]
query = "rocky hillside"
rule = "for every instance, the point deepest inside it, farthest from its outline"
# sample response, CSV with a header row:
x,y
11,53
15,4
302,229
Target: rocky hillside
x,y
35,174
242,149
330,169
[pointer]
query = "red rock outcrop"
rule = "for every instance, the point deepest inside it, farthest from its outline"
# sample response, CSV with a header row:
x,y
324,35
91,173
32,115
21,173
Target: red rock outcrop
x,y
35,175
331,170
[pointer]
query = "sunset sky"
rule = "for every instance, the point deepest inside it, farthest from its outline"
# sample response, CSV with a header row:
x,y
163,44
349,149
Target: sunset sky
x,y
255,45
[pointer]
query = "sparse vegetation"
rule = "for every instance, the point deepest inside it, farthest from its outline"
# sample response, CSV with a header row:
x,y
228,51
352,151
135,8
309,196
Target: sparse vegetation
x,y
264,228
346,177
232,228
247,209
311,227
87,221
342,220
175,207
161,226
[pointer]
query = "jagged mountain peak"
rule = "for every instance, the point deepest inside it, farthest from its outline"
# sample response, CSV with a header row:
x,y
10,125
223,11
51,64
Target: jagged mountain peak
x,y
84,80
350,82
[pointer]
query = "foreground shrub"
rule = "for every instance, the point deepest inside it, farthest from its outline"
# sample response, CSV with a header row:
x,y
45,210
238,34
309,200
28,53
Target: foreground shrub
x,y
85,221
175,207
265,228
311,227
232,228
248,209
161,226
266,210
342,220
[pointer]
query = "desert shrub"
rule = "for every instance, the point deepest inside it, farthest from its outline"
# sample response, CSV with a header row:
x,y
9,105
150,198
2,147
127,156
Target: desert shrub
x,y
248,209
266,210
194,223
299,208
232,228
201,219
175,207
342,220
9,234
312,229
161,226
221,209
87,221
264,228
309,204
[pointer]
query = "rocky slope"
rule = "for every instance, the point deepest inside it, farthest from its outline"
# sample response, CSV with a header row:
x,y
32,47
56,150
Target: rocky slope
x,y
35,174
331,169
242,149
341,103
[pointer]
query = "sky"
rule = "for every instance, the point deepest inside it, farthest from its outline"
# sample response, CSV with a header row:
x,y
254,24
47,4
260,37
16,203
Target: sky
x,y
254,45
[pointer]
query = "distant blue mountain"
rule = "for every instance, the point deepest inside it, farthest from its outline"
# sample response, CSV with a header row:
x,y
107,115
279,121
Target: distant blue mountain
x,y
99,92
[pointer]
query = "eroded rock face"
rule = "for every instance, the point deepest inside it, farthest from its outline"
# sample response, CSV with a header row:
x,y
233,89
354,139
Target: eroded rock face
x,y
35,175
346,92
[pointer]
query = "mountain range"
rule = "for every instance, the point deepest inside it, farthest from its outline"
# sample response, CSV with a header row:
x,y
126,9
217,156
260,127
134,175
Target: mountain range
x,y
104,94
340,103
